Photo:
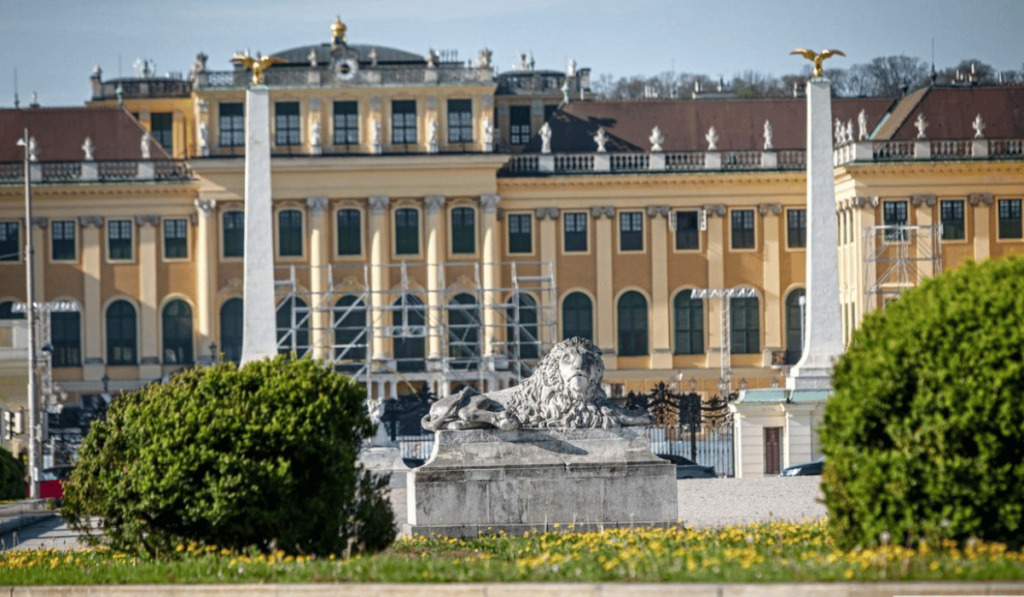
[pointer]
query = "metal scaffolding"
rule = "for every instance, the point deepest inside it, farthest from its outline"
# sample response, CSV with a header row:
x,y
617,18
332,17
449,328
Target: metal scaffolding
x,y
897,258
432,324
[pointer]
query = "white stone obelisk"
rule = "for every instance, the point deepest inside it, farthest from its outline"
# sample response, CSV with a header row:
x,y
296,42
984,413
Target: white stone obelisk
x,y
259,335
823,334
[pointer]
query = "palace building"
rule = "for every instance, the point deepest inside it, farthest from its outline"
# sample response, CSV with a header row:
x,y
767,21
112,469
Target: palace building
x,y
438,222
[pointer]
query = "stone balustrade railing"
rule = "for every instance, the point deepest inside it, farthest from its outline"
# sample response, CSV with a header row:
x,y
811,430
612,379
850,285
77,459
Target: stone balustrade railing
x,y
676,161
97,171
928,149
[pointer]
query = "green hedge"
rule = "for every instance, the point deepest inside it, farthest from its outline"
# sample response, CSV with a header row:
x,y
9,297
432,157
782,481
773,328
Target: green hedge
x,y
925,434
262,456
12,476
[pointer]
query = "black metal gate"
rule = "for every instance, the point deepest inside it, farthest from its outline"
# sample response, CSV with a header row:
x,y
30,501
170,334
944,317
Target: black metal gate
x,y
690,426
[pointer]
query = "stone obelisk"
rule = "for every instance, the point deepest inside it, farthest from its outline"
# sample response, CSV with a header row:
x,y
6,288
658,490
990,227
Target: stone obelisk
x,y
823,334
259,336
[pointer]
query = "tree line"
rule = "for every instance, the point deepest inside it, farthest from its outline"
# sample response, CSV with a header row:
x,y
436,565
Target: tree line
x,y
885,76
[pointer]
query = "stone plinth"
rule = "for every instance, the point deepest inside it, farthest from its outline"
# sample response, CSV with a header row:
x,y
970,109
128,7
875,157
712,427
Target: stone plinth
x,y
488,480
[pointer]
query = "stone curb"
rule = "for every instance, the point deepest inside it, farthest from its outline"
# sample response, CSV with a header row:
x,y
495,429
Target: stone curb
x,y
887,589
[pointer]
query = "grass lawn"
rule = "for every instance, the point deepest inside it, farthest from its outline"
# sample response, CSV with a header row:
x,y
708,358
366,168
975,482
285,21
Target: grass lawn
x,y
773,552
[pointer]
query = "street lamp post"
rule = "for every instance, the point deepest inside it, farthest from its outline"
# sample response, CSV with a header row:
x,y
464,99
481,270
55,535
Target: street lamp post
x,y
30,304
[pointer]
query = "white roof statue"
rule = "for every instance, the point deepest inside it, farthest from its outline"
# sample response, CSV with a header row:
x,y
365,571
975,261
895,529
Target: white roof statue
x,y
88,148
768,135
484,60
862,125
849,131
545,138
712,139
656,139
979,127
33,150
601,139
144,144
921,125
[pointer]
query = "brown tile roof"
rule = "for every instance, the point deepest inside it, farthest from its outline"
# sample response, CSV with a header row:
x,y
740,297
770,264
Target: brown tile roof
x,y
739,123
949,112
60,133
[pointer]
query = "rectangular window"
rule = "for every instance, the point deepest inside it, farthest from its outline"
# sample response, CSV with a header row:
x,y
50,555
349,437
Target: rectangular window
x,y
519,123
234,233
1009,218
289,233
407,232
287,129
231,125
161,124
65,331
346,123
463,231
894,213
403,122
796,228
350,239
745,324
631,231
62,240
743,229
460,121
575,232
175,239
687,230
119,240
10,247
952,216
520,233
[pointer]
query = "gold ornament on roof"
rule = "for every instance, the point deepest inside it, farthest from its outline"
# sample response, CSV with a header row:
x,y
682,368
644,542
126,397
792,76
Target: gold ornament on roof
x,y
338,31
257,65
817,58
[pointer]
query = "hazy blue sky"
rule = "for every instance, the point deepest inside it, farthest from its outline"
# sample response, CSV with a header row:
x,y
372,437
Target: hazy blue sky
x,y
54,44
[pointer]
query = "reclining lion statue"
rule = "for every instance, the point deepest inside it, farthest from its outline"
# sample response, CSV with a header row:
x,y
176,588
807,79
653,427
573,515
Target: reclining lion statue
x,y
564,392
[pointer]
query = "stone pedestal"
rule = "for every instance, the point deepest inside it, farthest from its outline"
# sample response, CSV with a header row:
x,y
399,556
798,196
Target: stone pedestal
x,y
486,480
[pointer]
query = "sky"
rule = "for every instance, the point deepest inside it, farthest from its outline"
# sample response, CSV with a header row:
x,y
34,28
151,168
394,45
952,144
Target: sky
x,y
54,44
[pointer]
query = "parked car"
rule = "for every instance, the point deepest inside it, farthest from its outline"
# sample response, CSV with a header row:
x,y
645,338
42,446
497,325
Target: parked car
x,y
808,468
688,469
52,480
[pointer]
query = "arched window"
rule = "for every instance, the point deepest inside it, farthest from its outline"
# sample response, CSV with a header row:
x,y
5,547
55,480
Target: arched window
x,y
464,331
745,324
577,317
349,333
794,326
7,311
293,326
231,326
66,338
689,323
176,324
632,324
409,333
522,341
121,333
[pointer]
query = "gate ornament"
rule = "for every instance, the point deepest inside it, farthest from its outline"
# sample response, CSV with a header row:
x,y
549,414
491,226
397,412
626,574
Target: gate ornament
x,y
817,58
564,392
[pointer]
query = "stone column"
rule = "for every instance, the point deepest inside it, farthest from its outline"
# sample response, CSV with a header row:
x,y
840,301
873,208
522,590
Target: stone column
x,y
661,330
925,205
378,276
863,218
547,218
716,279
982,203
259,335
149,301
823,332
770,274
491,274
320,323
206,275
92,300
604,332
435,294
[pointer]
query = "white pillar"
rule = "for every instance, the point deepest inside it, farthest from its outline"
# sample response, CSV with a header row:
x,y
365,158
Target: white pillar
x,y
435,294
259,332
823,333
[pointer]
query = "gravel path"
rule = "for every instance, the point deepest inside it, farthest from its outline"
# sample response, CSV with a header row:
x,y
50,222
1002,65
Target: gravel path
x,y
719,502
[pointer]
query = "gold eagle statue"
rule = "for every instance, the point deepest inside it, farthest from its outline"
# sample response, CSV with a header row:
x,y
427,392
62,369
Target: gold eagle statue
x,y
817,57
257,65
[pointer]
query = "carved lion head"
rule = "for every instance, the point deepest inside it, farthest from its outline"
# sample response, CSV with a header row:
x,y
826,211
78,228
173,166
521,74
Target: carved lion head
x,y
574,368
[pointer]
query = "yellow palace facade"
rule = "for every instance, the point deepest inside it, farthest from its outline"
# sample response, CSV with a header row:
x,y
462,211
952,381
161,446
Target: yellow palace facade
x,y
437,222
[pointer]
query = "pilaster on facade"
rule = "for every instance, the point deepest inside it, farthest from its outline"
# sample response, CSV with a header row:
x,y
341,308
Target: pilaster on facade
x,y
491,274
774,319
206,270
547,218
714,219
149,319
379,278
661,349
604,335
982,203
320,327
925,208
435,256
92,307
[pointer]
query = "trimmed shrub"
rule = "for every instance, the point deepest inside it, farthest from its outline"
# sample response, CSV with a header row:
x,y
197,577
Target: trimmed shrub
x,y
263,455
12,476
925,434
